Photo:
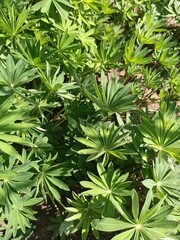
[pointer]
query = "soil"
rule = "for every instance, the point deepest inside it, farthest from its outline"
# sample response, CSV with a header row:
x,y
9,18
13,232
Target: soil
x,y
44,212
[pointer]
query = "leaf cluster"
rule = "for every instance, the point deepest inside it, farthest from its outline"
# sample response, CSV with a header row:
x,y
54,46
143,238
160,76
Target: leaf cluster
x,y
89,118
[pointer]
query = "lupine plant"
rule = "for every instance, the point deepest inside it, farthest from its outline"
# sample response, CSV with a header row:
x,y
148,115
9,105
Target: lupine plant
x,y
89,119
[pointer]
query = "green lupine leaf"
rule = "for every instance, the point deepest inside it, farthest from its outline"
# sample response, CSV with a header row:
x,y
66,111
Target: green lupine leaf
x,y
45,5
110,224
88,151
95,192
92,185
58,183
153,211
10,150
102,172
74,217
32,201
96,180
127,235
85,229
16,139
112,96
146,204
135,205
163,224
2,196
17,126
149,183
161,213
52,190
86,142
7,174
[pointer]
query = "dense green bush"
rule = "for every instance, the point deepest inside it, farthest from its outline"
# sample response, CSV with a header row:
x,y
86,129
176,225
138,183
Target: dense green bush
x,y
89,117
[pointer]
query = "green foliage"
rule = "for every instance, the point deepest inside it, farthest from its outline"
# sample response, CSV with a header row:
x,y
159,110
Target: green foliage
x,y
9,125
149,223
21,214
137,55
13,24
112,96
165,181
89,105
56,84
84,211
45,6
110,185
14,75
47,178
105,141
163,135
147,26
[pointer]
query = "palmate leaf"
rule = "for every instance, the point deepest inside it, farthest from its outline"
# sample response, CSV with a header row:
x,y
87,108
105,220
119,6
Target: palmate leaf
x,y
173,8
165,51
150,224
82,213
165,182
66,43
152,78
137,55
14,75
45,5
47,180
104,141
32,52
13,23
56,83
8,119
16,179
16,184
147,28
21,214
9,113
168,57
111,96
93,5
87,39
163,133
107,55
110,184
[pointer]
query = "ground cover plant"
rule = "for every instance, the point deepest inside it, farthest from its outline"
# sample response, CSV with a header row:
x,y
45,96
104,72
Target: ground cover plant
x,y
89,118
